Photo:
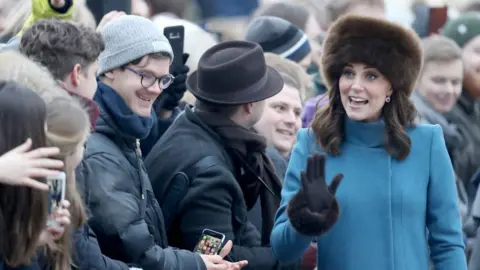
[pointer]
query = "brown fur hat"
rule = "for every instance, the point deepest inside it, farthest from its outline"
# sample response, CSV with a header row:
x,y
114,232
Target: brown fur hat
x,y
390,48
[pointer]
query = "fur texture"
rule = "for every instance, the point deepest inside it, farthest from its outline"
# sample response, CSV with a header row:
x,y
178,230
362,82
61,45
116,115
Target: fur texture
x,y
390,48
307,222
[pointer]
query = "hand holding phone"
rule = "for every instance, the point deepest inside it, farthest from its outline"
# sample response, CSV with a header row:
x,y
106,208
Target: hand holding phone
x,y
217,261
210,242
61,216
56,194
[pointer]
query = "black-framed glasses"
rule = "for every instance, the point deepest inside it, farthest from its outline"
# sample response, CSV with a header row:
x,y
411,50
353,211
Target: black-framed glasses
x,y
148,80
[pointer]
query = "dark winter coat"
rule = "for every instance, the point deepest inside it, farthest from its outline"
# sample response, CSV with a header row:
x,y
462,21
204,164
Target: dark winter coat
x,y
125,216
214,199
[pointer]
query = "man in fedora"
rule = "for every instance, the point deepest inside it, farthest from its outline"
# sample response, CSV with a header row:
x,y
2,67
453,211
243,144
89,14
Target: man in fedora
x,y
210,168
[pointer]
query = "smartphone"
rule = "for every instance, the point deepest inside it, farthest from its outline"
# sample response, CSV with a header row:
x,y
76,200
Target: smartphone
x,y
176,37
56,194
210,243
437,18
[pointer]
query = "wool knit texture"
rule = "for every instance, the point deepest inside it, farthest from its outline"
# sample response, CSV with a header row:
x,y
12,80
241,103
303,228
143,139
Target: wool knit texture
x,y
129,38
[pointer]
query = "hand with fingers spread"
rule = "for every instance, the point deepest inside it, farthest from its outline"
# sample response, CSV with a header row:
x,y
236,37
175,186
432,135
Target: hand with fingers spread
x,y
217,262
20,166
314,209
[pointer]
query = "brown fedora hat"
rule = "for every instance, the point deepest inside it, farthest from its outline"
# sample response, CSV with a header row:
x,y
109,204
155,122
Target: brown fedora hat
x,y
233,73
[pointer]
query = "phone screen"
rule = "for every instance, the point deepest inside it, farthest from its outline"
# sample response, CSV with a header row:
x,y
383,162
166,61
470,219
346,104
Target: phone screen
x,y
56,194
210,243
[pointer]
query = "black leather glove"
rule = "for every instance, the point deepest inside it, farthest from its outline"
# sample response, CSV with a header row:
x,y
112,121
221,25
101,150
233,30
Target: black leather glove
x,y
314,209
174,93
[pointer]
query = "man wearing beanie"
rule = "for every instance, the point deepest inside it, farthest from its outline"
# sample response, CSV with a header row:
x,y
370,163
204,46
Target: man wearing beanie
x,y
133,71
278,36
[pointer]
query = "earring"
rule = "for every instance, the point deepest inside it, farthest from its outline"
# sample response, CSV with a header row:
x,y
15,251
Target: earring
x,y
387,100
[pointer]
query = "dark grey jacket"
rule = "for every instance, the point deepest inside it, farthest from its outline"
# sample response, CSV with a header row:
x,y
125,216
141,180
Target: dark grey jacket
x,y
214,200
125,215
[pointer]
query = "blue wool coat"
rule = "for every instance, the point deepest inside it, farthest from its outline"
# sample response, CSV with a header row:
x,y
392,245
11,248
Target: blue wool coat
x,y
386,205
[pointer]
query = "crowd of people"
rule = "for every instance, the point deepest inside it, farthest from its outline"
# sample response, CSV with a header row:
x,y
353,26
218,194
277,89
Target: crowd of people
x,y
298,134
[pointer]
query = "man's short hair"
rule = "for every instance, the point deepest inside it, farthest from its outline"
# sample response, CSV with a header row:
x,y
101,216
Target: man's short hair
x,y
220,109
440,49
60,45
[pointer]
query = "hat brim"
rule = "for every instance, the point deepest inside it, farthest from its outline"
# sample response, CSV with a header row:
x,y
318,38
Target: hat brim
x,y
270,85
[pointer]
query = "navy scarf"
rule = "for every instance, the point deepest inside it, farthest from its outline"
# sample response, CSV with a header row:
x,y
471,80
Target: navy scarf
x,y
124,118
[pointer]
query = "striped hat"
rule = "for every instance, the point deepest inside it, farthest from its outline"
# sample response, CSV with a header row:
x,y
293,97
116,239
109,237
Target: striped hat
x,y
278,36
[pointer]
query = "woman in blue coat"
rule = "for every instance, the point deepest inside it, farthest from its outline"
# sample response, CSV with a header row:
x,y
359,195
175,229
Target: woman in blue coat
x,y
396,204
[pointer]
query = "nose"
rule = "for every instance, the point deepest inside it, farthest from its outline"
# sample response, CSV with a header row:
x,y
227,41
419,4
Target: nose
x,y
290,118
357,84
450,88
155,89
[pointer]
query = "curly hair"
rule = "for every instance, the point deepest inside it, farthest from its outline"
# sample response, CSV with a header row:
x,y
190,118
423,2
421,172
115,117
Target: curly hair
x,y
393,51
60,45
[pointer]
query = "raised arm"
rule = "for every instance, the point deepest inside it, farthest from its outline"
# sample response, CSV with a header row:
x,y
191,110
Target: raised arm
x,y
308,206
287,243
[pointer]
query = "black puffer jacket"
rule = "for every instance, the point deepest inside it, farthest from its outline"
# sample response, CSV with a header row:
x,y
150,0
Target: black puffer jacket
x,y
125,215
88,255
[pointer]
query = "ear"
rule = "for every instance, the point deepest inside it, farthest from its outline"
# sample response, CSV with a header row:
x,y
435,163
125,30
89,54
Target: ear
x,y
75,75
109,75
248,108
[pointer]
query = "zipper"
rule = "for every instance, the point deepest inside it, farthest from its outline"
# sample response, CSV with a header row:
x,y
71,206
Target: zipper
x,y
156,218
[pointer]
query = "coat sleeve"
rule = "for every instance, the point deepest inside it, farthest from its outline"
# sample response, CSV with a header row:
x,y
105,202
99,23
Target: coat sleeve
x,y
288,244
42,9
443,215
115,212
208,205
88,254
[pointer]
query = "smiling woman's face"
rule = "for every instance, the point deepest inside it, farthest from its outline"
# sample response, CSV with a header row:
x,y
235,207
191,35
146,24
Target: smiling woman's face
x,y
363,91
281,119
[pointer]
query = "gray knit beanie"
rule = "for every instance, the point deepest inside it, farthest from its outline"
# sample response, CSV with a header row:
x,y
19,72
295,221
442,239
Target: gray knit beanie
x,y
128,38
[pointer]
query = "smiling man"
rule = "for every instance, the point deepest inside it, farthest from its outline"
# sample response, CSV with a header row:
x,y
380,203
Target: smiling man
x,y
133,71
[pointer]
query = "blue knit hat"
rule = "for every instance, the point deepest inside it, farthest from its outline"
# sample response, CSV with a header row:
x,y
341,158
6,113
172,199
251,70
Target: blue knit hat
x,y
278,36
129,38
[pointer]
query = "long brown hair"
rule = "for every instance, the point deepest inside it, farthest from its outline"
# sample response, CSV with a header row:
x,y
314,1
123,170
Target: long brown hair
x,y
400,113
23,211
68,125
